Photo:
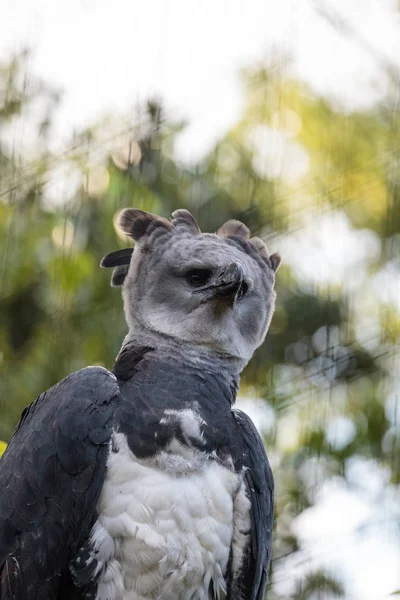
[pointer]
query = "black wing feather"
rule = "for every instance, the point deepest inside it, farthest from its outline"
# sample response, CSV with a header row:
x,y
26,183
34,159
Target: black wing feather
x,y
51,476
260,489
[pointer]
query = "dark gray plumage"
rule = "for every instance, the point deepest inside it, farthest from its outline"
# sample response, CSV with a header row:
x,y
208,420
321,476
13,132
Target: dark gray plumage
x,y
146,483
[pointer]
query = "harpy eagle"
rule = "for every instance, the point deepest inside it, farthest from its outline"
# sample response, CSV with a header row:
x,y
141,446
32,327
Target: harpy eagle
x,y
145,483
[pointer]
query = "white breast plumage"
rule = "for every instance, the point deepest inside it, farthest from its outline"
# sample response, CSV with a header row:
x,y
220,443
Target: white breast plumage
x,y
164,531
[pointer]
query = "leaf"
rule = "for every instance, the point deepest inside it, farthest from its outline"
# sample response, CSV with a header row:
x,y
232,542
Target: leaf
x,y
3,446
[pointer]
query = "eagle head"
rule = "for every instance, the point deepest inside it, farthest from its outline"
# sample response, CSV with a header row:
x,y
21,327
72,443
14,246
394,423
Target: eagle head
x,y
211,290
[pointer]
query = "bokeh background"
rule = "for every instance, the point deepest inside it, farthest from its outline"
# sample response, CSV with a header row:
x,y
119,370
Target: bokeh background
x,y
282,114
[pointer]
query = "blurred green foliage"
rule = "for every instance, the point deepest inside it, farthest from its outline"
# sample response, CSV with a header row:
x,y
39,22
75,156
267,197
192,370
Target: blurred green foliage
x,y
319,363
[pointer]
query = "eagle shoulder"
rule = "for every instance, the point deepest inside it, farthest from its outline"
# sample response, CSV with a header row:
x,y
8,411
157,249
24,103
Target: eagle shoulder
x,y
257,493
52,473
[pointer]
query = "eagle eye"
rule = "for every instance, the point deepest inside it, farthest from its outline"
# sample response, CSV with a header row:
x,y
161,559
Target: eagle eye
x,y
198,277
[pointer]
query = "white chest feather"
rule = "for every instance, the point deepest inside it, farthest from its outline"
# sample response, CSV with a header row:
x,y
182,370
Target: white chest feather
x,y
164,531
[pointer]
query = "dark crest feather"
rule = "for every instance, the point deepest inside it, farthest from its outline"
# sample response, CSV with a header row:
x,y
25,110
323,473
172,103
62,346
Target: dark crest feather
x,y
185,220
234,227
136,223
118,275
114,259
275,260
261,246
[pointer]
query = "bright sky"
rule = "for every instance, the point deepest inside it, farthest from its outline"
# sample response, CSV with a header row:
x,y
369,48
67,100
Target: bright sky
x,y
105,56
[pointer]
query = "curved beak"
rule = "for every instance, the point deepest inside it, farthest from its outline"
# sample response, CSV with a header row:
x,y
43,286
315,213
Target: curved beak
x,y
225,284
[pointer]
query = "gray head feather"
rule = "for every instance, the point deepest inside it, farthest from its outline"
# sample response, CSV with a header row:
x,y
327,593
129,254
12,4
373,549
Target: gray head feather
x,y
234,227
213,291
